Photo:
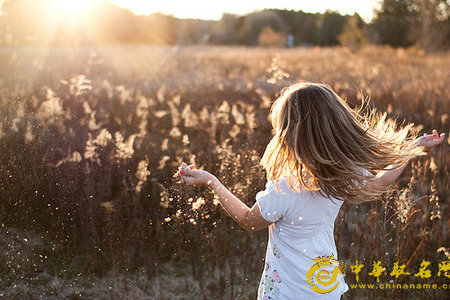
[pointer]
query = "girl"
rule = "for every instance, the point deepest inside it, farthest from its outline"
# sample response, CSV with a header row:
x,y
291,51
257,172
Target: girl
x,y
322,153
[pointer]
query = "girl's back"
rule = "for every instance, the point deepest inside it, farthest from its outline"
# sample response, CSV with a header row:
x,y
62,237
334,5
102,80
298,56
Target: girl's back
x,y
301,245
325,144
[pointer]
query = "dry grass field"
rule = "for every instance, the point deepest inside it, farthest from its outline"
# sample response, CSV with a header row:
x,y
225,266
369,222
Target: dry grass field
x,y
90,142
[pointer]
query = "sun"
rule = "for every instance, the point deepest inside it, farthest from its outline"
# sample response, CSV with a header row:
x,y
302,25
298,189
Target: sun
x,y
70,7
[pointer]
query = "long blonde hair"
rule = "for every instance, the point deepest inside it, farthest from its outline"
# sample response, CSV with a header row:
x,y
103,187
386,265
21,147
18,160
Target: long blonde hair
x,y
325,145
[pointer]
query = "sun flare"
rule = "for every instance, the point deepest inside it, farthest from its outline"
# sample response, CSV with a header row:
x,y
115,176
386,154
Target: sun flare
x,y
70,7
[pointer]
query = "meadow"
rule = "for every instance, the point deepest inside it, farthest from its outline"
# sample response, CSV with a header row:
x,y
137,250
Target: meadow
x,y
91,205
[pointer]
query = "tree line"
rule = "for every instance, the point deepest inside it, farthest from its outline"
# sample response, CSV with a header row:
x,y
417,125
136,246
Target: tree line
x,y
396,22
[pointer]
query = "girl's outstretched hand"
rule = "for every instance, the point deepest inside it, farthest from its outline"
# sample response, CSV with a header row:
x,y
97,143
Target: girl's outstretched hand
x,y
429,141
191,176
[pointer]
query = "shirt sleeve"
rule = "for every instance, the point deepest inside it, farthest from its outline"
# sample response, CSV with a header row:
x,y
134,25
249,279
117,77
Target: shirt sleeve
x,y
271,205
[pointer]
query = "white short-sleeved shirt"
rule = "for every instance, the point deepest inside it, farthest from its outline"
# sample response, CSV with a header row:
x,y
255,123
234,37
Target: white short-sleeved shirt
x,y
301,257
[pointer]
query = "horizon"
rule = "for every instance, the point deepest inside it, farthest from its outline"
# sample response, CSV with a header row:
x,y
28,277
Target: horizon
x,y
196,9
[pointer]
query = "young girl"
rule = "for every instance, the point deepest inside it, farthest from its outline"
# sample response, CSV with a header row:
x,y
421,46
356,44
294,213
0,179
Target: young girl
x,y
322,153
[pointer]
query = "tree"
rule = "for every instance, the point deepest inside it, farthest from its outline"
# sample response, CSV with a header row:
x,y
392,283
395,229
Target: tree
x,y
225,31
331,26
392,22
432,23
270,38
354,32
408,22
254,23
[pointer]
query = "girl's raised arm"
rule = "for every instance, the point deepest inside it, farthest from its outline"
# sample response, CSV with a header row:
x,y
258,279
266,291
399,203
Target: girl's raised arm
x,y
386,178
248,218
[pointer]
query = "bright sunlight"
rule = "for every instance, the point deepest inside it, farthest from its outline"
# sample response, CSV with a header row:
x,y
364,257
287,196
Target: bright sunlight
x,y
70,7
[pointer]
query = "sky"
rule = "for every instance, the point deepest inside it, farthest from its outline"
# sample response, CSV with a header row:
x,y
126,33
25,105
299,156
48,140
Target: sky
x,y
213,10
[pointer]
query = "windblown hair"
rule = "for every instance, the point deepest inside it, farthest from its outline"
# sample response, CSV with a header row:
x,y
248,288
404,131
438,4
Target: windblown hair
x,y
325,146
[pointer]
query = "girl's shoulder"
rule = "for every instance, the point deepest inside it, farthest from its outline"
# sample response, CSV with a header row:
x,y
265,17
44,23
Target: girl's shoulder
x,y
278,200
282,190
273,202
288,185
301,195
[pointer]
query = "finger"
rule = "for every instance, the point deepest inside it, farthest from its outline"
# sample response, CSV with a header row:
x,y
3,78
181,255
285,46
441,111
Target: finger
x,y
182,168
435,133
435,142
428,137
436,139
187,172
